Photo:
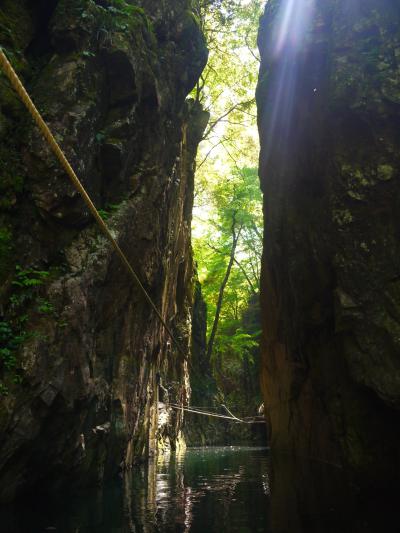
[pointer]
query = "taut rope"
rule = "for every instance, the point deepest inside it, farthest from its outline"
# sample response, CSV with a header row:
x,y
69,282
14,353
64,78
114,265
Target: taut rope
x,y
22,93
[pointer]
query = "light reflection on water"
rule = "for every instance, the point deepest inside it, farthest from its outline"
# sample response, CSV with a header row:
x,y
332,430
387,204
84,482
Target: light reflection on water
x,y
208,489
212,490
203,490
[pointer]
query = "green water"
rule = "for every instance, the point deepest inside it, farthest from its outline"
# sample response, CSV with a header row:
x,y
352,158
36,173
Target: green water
x,y
227,489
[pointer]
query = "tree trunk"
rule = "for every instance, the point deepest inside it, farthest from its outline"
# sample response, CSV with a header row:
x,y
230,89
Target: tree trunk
x,y
235,238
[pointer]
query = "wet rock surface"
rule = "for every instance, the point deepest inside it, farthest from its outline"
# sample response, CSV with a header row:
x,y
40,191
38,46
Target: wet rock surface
x,y
85,352
329,125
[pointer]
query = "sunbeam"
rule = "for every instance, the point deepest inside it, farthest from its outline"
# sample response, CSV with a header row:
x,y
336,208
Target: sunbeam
x,y
290,28
292,25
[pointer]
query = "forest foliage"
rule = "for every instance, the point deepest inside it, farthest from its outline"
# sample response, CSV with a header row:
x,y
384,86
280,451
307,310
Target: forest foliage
x,y
227,222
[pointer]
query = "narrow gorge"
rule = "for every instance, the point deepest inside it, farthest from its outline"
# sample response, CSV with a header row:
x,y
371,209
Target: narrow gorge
x,y
260,328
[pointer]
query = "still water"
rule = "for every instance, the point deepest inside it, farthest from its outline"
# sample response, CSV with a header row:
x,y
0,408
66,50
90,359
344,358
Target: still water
x,y
227,489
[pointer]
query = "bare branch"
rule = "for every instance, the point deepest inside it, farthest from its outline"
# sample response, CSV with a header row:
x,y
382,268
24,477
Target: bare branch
x,y
208,154
214,123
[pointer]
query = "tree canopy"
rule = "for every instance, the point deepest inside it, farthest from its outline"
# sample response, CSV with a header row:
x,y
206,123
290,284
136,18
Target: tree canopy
x,y
227,222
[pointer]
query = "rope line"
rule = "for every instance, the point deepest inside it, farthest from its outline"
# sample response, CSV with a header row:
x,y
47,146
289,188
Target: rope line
x,y
230,413
215,415
246,421
45,130
203,412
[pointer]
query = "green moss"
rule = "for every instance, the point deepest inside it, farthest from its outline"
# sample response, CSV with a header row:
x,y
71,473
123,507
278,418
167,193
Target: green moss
x,y
121,17
16,27
342,217
14,331
11,338
191,28
127,8
385,172
108,211
191,22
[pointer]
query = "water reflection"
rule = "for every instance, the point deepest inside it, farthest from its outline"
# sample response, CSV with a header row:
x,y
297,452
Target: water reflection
x,y
205,489
213,490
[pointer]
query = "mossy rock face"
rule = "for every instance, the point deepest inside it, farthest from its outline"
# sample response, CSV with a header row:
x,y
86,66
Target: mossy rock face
x,y
86,367
330,168
16,25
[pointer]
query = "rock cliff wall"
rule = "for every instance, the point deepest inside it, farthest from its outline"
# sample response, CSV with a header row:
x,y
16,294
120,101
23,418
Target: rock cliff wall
x,y
329,120
81,352
202,430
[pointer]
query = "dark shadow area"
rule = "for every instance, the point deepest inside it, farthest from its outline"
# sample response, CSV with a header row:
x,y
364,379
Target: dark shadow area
x,y
215,490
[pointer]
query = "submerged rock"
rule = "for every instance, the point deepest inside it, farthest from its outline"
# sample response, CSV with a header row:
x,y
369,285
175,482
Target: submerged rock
x,y
82,351
329,166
